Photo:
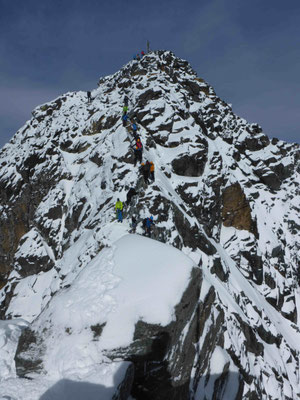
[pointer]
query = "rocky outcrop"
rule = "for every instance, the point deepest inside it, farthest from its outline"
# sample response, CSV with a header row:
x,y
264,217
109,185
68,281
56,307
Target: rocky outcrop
x,y
28,356
161,360
190,165
163,366
236,211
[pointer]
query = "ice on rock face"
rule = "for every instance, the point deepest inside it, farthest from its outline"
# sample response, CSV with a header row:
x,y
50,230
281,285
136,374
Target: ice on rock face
x,y
224,195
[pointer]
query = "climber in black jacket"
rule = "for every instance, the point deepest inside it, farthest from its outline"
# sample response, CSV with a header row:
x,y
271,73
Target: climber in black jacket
x,y
89,96
145,170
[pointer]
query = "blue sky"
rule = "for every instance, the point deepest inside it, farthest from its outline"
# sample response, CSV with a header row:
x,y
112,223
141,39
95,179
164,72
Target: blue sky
x,y
249,51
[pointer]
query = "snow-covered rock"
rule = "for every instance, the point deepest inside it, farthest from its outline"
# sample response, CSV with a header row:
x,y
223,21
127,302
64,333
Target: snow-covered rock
x,y
105,311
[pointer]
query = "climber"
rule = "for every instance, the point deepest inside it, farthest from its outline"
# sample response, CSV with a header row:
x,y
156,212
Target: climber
x,y
138,57
119,209
131,192
145,170
142,53
138,151
152,171
139,144
124,119
148,225
126,100
134,127
137,155
125,109
133,224
89,96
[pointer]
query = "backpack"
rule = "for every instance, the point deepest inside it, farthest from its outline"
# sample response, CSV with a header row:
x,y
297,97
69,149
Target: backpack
x,y
138,145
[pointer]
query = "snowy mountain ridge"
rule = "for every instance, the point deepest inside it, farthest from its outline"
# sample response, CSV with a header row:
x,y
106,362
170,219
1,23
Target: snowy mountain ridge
x,y
224,195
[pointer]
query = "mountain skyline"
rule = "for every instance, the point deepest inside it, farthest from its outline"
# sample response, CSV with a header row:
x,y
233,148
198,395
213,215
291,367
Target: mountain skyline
x,y
249,53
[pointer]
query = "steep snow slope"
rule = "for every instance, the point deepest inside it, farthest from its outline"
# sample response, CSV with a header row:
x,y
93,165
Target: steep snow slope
x,y
224,194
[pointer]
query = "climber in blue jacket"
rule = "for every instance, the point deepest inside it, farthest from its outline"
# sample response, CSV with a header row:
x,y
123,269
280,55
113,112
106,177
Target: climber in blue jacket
x,y
124,119
148,226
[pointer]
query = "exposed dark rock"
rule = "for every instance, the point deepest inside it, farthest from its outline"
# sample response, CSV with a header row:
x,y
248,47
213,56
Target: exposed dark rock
x,y
20,213
236,211
54,212
147,96
97,159
78,147
33,160
139,72
269,280
255,128
268,337
96,127
97,330
190,165
255,264
256,143
28,356
148,120
192,87
268,177
213,337
187,197
200,122
110,121
283,171
140,114
125,387
160,140
191,236
166,127
218,269
277,251
31,265
73,216
252,344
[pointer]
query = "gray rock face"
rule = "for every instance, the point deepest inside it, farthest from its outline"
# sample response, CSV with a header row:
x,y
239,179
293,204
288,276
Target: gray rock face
x,y
188,165
28,356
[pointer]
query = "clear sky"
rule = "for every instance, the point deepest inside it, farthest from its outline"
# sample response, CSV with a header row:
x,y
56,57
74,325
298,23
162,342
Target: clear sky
x,y
249,51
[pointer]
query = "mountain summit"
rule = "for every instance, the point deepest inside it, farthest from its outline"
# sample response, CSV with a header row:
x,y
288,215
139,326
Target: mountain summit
x,y
205,309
